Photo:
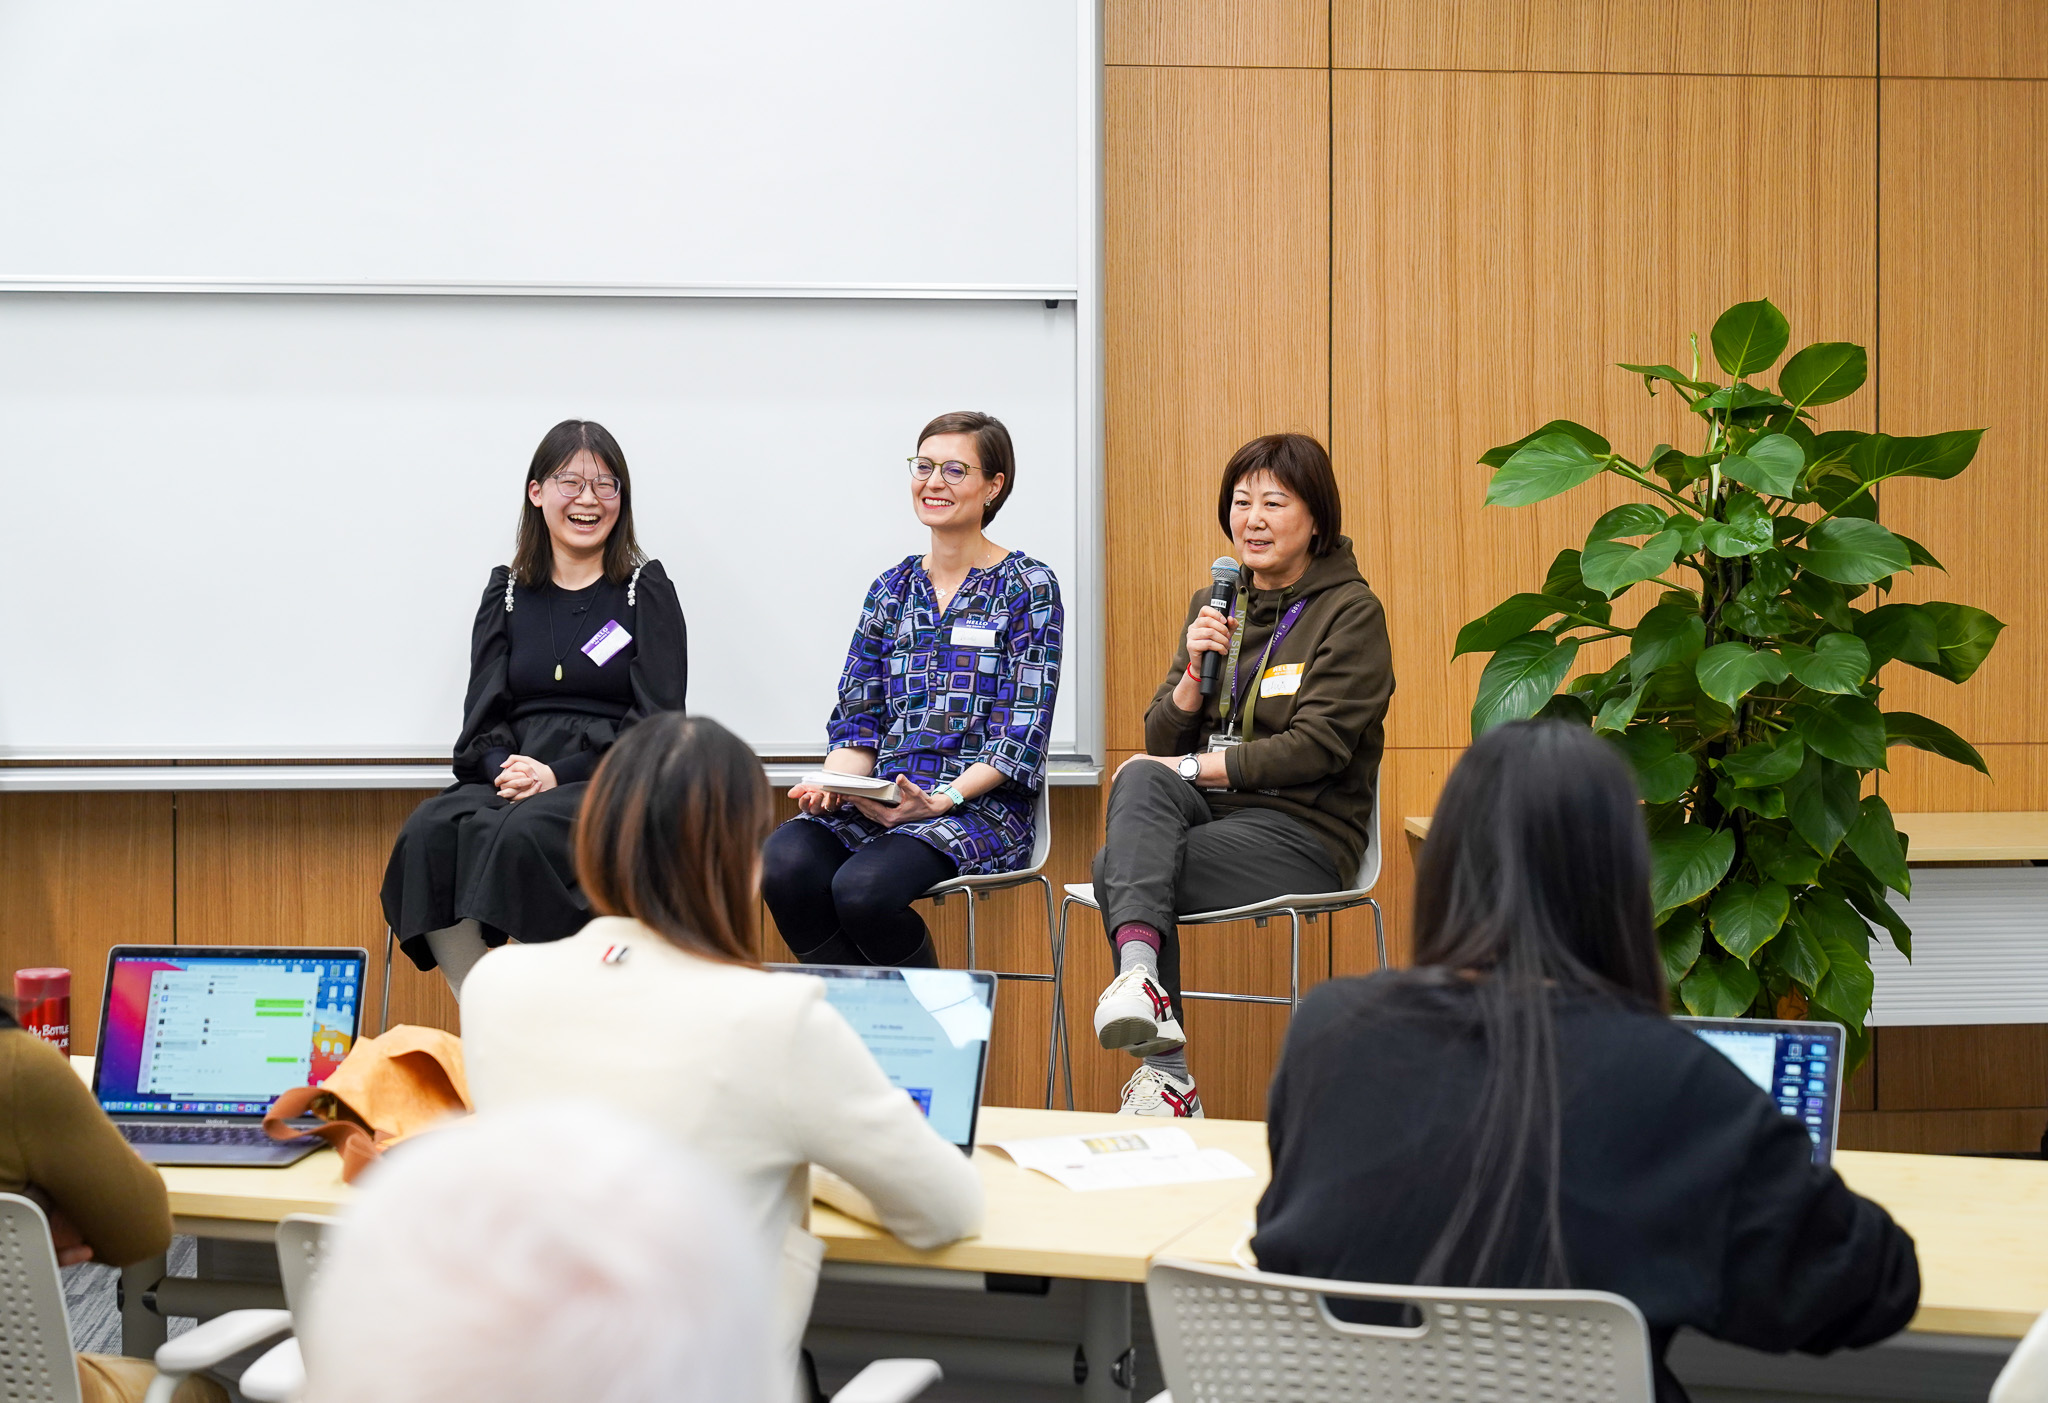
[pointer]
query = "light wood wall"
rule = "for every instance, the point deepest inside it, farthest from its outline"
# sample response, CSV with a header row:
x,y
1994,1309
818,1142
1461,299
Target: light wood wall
x,y
1414,229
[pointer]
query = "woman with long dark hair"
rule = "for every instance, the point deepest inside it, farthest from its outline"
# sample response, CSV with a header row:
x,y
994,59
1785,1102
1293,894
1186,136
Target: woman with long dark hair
x,y
660,1009
575,641
1516,1110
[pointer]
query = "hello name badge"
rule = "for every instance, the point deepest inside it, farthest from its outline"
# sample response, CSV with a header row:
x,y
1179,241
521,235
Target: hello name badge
x,y
604,645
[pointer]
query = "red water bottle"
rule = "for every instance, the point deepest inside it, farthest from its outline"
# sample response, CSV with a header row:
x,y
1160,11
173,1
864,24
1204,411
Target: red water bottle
x,y
44,998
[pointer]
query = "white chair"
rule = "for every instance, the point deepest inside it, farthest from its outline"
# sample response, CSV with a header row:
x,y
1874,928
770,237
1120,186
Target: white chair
x,y
36,1362
1256,1337
1295,907
2024,1379
979,889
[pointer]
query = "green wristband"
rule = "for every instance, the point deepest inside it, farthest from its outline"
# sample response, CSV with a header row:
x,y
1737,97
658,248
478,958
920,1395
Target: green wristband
x,y
959,799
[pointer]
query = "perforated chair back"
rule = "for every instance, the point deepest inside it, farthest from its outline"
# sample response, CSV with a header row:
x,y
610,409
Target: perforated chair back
x,y
1369,865
301,1240
36,1364
1041,825
1229,1336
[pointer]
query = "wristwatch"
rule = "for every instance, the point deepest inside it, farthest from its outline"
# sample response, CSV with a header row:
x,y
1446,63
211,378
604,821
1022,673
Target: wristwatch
x,y
1190,767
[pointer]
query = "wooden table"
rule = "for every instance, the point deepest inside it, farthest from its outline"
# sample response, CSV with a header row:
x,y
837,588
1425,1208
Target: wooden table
x,y
1971,837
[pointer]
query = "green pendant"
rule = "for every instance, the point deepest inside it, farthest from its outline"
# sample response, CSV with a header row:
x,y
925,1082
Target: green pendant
x,y
558,672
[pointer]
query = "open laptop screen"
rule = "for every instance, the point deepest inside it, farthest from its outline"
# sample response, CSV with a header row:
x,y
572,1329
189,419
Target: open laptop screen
x,y
929,1030
222,1030
1798,1064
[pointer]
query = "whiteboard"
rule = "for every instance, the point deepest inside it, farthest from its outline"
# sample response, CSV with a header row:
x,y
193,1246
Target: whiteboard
x,y
288,295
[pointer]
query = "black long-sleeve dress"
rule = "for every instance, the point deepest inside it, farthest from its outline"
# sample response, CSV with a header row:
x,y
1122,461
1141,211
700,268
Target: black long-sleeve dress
x,y
1682,1186
467,854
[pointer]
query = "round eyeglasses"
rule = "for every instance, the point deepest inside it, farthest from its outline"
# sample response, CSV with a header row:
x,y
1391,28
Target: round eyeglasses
x,y
572,487
953,470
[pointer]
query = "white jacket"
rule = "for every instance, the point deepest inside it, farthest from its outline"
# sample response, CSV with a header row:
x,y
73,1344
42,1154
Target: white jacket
x,y
754,1071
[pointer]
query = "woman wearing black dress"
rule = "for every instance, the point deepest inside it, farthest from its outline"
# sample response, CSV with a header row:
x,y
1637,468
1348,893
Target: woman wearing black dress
x,y
579,638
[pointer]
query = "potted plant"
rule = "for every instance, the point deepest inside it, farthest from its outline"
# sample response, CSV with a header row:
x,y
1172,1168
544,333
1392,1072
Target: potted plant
x,y
1748,697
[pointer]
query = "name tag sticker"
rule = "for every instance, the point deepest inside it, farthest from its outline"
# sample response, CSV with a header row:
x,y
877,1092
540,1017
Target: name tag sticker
x,y
973,636
1282,680
604,645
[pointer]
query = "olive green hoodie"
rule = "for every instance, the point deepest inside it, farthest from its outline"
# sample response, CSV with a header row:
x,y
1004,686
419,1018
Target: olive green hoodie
x,y
1315,752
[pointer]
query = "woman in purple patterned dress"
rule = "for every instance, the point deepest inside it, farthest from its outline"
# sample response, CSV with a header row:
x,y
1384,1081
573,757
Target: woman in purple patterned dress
x,y
948,689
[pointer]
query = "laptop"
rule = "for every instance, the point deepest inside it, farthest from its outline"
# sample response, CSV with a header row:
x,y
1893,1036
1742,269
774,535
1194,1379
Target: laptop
x,y
196,1041
1799,1064
929,1030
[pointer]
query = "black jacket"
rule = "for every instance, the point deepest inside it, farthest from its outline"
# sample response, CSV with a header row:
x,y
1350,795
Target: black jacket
x,y
1682,1186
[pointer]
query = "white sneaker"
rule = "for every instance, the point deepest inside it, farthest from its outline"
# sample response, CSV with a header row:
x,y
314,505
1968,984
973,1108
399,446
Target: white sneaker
x,y
1135,1015
1151,1092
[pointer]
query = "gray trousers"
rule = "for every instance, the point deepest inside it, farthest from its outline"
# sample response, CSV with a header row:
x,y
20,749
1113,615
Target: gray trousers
x,y
1165,852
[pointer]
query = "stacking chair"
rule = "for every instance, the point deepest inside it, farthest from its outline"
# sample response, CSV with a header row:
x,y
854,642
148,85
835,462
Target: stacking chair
x,y
36,1362
979,889
1256,1337
2024,1379
1296,908
279,1374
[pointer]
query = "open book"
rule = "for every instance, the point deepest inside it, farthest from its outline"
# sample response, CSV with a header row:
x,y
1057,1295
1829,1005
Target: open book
x,y
880,791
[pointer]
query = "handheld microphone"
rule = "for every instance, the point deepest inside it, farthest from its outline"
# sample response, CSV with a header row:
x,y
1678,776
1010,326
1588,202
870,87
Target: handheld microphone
x,y
1222,591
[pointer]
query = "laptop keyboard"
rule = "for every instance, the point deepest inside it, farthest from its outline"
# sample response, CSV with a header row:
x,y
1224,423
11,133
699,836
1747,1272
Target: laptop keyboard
x,y
195,1135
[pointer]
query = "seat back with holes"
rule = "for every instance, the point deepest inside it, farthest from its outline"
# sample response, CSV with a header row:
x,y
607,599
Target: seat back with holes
x,y
1230,1336
36,1365
1369,865
301,1238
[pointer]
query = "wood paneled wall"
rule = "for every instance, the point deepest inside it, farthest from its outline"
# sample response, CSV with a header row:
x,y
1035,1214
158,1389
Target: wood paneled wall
x,y
1416,229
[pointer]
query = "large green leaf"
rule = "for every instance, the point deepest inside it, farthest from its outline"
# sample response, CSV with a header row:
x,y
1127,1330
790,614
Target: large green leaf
x,y
1747,530
1612,566
1902,631
1798,953
1653,373
1510,618
1875,841
1847,730
1823,373
1820,801
1882,456
1738,397
1728,672
1771,463
1745,917
1839,662
1686,862
1617,711
1563,581
1917,732
1519,679
1541,469
1963,635
1663,772
1828,601
1719,988
1630,519
1781,856
1878,911
1750,336
1845,940
1852,551
1765,762
1679,940
1766,802
1494,457
1670,632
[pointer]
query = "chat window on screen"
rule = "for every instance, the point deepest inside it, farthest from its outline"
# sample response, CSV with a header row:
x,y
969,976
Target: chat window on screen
x,y
225,1031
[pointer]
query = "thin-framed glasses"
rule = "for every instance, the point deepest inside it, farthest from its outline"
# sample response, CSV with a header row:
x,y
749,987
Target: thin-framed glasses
x,y
953,470
571,486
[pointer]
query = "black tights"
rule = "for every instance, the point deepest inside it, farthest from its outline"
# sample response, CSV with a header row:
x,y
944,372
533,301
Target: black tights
x,y
836,907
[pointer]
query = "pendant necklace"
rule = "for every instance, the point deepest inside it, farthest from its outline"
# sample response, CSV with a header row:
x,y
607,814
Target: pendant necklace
x,y
583,608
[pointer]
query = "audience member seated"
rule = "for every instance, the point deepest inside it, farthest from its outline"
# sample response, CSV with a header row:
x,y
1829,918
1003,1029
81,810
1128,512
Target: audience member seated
x,y
578,639
948,689
1261,789
1517,1111
539,1255
104,1204
659,1008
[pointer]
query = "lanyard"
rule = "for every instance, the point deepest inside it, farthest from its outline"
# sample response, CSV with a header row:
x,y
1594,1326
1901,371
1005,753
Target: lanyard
x,y
1237,682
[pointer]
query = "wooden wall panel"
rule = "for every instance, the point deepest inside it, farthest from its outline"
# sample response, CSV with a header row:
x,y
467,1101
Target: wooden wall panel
x,y
1964,38
1922,783
1944,1132
1488,270
1229,33
1985,1067
1965,290
1808,37
78,873
1216,301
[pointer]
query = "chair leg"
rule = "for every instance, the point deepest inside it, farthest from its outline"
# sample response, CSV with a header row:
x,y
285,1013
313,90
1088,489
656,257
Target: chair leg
x,y
1059,992
1055,1033
390,949
1294,965
1379,931
971,904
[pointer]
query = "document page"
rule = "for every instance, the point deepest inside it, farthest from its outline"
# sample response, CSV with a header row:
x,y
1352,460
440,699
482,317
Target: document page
x,y
227,1031
1127,1159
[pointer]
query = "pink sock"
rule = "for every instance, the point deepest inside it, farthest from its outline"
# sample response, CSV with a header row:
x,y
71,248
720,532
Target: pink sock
x,y
1136,931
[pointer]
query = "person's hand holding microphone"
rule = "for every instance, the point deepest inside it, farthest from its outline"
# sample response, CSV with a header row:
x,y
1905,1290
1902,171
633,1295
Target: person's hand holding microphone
x,y
1208,640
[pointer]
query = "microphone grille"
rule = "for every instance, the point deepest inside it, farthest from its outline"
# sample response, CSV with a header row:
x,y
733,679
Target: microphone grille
x,y
1224,565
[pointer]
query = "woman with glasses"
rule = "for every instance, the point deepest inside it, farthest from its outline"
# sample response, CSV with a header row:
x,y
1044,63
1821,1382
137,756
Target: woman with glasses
x,y
948,689
580,637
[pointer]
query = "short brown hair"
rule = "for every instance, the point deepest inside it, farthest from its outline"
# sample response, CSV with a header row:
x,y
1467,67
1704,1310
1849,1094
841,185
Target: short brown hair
x,y
533,557
670,834
991,441
1299,464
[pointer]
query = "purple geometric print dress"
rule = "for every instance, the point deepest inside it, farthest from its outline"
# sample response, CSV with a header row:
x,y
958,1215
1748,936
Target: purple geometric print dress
x,y
933,693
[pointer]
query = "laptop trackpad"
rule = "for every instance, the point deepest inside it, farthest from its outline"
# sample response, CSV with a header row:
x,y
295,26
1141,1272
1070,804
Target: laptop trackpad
x,y
190,1156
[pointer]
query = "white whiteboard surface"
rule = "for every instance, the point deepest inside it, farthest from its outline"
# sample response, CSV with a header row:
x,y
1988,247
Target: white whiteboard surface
x,y
269,519
606,142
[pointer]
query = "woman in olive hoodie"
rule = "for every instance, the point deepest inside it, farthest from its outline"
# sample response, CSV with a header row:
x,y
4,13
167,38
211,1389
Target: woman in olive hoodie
x,y
1261,789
